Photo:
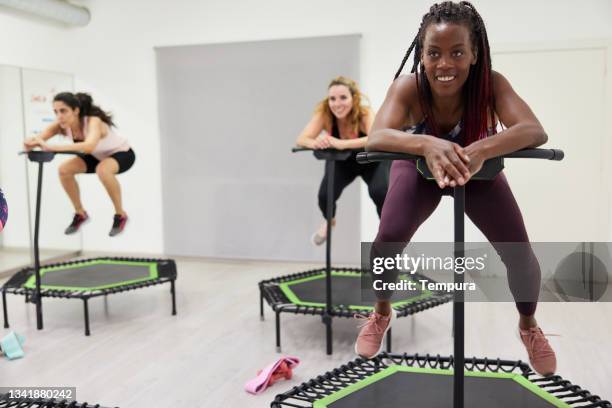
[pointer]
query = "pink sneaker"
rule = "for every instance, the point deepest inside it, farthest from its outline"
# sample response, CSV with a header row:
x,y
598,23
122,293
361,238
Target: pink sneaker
x,y
541,355
370,339
119,222
77,221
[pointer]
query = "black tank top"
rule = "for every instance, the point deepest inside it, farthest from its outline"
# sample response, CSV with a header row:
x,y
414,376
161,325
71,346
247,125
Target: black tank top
x,y
335,132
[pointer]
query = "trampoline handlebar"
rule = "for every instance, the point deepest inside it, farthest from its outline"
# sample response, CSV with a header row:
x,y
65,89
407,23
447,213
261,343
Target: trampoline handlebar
x,y
298,149
45,151
548,154
42,156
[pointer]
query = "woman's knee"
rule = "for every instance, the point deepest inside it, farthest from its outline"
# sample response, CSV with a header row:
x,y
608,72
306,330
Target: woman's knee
x,y
104,171
67,170
72,167
107,168
393,232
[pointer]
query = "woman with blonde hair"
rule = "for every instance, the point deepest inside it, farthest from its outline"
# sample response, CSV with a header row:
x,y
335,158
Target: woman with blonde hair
x,y
342,121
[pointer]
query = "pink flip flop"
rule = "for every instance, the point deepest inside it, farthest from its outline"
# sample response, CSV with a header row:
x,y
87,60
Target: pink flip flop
x,y
280,369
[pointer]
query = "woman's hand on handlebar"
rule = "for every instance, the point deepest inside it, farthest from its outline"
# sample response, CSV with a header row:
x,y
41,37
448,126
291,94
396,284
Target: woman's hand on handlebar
x,y
477,159
322,142
36,141
447,161
31,142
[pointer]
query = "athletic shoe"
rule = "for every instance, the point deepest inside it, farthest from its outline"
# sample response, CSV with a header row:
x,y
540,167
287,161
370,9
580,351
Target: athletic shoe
x,y
370,339
541,355
77,221
317,239
320,235
119,222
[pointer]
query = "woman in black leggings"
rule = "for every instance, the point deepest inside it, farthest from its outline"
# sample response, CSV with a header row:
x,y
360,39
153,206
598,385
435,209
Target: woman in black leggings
x,y
341,122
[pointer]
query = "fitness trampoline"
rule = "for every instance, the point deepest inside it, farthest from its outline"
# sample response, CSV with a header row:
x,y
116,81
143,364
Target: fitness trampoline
x,y
304,293
82,279
6,402
89,278
335,292
396,380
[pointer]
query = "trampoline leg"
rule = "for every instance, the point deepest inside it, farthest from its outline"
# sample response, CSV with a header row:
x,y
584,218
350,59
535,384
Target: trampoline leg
x,y
86,311
389,341
5,311
173,297
278,336
106,305
327,320
261,306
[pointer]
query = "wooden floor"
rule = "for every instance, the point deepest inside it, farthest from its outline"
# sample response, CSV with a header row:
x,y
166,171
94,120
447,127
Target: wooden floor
x,y
140,356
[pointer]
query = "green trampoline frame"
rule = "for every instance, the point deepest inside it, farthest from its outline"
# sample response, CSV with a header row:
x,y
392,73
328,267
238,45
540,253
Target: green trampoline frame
x,y
516,377
153,274
285,287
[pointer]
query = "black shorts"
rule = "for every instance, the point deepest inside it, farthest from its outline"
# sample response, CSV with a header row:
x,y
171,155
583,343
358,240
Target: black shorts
x,y
125,159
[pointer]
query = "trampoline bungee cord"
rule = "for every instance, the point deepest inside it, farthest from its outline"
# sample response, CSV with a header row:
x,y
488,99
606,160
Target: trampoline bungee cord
x,y
393,380
82,279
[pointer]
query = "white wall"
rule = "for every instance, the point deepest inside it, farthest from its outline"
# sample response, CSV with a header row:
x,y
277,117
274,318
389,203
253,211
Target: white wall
x,y
113,58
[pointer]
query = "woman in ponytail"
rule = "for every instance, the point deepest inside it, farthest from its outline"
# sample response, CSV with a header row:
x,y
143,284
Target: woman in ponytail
x,y
99,150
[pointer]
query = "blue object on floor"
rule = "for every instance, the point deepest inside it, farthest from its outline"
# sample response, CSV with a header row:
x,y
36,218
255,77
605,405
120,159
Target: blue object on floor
x,y
11,346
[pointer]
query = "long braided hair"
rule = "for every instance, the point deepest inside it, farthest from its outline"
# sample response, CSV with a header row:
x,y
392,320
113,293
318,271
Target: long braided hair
x,y
478,95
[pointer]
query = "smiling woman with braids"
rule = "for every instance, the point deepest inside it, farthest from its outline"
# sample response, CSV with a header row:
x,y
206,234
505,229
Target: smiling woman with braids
x,y
447,110
100,150
341,122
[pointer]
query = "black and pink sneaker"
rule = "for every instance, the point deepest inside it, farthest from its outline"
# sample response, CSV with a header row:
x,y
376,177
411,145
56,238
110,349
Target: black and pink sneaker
x,y
118,224
77,221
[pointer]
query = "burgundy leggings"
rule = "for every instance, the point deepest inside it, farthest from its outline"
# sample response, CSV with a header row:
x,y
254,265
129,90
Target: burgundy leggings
x,y
490,204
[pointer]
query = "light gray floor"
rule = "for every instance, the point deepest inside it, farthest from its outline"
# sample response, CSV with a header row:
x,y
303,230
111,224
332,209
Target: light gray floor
x,y
14,258
141,356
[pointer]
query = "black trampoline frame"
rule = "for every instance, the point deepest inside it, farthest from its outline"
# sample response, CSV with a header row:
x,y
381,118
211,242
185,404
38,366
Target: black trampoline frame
x,y
6,402
269,290
35,295
166,270
304,395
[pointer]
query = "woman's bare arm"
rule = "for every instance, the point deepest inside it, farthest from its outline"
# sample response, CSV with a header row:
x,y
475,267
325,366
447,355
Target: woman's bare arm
x,y
523,129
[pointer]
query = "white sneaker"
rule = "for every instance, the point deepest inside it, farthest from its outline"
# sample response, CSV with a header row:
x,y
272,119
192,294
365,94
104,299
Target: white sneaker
x,y
317,239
